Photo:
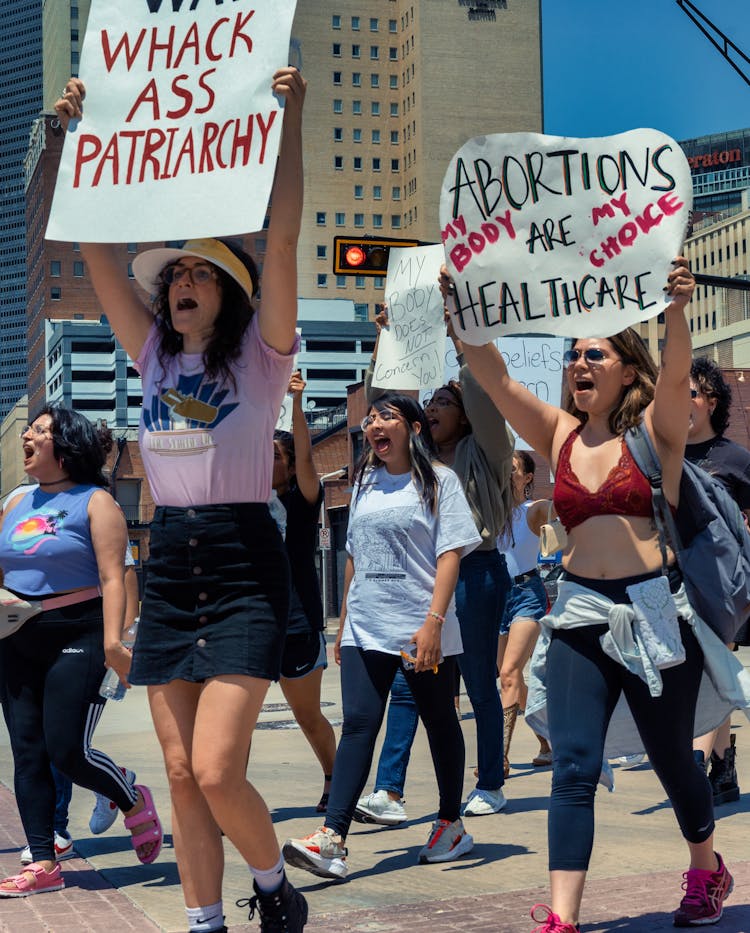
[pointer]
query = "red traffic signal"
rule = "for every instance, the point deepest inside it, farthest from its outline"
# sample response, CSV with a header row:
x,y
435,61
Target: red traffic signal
x,y
364,255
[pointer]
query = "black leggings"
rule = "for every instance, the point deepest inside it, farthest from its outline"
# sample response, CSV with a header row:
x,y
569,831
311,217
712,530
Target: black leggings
x,y
366,678
51,671
583,687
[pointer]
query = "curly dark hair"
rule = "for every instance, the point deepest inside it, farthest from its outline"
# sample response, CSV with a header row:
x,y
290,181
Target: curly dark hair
x,y
234,317
80,446
629,345
286,442
707,375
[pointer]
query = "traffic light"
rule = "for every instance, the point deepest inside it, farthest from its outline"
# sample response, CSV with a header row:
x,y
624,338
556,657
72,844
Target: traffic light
x,y
364,255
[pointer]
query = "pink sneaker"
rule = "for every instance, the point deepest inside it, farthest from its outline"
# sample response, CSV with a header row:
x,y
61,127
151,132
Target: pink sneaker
x,y
552,923
705,893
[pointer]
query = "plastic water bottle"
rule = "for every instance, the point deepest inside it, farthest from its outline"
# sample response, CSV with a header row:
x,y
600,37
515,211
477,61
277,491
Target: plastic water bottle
x,y
112,688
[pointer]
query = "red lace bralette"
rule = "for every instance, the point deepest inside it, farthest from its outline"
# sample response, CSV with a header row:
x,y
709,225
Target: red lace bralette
x,y
625,491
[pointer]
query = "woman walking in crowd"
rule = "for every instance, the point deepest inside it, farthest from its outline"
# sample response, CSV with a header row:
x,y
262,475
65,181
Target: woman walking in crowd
x,y
409,526
62,544
214,611
527,600
296,483
600,495
729,463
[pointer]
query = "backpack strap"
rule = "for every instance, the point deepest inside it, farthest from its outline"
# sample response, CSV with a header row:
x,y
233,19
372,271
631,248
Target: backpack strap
x,y
644,453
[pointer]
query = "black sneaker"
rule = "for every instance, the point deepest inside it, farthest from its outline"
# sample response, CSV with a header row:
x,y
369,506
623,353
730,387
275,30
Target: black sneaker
x,y
282,911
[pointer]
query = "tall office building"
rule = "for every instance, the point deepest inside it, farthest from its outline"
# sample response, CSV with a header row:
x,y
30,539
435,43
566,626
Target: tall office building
x,y
395,87
39,47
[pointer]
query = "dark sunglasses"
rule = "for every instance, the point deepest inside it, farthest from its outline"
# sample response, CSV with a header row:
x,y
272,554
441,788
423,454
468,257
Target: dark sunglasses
x,y
591,355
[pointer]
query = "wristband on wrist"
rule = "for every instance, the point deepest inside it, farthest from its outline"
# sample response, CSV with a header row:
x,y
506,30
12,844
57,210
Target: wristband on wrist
x,y
436,615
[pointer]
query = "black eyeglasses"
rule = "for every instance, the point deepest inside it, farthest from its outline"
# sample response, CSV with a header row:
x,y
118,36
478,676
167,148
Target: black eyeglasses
x,y
592,355
439,401
199,274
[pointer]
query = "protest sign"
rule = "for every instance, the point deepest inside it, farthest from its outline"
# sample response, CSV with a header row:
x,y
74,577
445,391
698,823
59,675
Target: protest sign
x,y
535,362
554,235
411,350
180,131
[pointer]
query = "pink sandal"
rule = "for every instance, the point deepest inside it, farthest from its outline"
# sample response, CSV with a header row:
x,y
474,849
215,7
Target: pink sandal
x,y
42,881
147,815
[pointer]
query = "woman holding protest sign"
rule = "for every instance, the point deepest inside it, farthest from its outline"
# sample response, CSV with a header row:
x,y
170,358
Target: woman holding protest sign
x,y
215,607
582,659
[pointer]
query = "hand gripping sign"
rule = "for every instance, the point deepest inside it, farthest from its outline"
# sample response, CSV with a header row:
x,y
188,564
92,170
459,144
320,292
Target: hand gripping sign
x,y
562,236
180,129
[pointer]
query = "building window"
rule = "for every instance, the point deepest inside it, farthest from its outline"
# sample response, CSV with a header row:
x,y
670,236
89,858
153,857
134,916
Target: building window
x,y
396,221
132,248
376,137
320,218
393,82
394,137
394,110
337,78
374,53
335,21
356,79
374,108
377,192
336,50
359,281
379,281
361,311
338,105
340,283
356,107
338,163
376,165
55,268
392,54
55,293
357,163
340,219
355,23
322,280
78,269
374,80
320,250
355,51
396,193
357,135
359,192
377,221
359,220
392,25
338,134
394,165
131,274
374,24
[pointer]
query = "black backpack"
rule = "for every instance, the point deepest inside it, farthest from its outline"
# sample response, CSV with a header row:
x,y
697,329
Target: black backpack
x,y
708,536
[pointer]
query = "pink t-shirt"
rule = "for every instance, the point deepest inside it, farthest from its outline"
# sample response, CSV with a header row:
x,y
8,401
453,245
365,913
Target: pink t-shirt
x,y
202,441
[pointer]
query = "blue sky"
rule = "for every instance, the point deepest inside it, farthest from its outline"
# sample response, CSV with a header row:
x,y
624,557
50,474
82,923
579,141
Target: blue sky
x,y
614,65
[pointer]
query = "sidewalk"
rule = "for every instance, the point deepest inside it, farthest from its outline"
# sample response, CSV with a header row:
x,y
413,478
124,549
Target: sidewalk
x,y
491,889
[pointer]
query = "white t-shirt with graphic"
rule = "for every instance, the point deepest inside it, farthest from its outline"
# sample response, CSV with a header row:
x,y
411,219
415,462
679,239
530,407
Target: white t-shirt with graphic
x,y
394,541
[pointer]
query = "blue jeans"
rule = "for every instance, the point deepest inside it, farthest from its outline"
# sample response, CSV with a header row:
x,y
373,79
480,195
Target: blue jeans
x,y
483,586
401,727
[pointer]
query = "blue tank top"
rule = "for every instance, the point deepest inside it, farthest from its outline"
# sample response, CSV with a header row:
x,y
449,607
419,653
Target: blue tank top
x,y
45,543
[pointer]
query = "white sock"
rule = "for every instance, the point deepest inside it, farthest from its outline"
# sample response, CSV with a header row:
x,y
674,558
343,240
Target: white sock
x,y
271,879
206,919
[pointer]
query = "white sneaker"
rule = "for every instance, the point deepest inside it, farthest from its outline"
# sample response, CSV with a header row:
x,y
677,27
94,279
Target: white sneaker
x,y
447,841
484,802
379,808
63,850
105,811
631,761
322,853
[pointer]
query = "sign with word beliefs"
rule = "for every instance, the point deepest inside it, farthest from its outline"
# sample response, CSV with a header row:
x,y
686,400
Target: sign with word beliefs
x,y
411,350
180,131
563,236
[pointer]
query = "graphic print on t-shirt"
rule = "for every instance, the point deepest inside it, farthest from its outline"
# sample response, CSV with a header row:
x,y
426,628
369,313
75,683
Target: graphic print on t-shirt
x,y
179,418
380,539
29,533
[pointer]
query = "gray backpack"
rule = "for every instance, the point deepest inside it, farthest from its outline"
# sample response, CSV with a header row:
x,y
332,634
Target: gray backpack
x,y
708,536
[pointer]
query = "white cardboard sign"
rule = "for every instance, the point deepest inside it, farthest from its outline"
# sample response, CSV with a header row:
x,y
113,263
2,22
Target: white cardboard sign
x,y
563,236
411,350
180,130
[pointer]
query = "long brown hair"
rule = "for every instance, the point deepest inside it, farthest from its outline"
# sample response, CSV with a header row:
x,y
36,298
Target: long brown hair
x,y
629,345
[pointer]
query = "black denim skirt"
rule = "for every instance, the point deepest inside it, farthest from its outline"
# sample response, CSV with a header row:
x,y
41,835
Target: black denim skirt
x,y
216,597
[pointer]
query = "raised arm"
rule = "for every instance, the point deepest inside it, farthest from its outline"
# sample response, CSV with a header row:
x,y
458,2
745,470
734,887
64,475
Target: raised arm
x,y
129,318
305,472
381,321
278,310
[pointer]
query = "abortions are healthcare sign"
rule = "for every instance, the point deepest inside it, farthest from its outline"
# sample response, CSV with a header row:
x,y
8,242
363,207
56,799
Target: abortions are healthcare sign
x,y
562,236
180,131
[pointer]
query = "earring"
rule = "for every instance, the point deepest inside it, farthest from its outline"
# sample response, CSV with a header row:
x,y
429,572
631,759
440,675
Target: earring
x,y
60,463
527,491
